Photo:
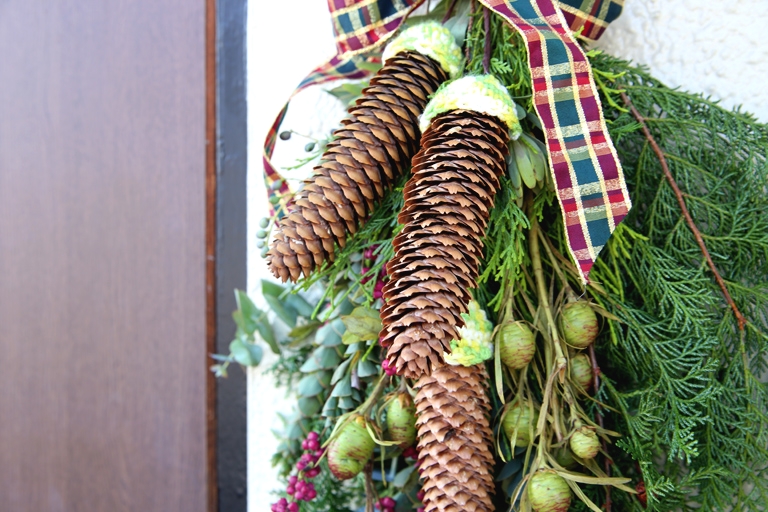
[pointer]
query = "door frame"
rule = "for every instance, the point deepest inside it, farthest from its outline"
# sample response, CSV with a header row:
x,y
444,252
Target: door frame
x,y
226,245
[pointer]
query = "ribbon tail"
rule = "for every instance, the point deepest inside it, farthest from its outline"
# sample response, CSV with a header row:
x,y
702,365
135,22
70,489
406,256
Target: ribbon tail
x,y
590,184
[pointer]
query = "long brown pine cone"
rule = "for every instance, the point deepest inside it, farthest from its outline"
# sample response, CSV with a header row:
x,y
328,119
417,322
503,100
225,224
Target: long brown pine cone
x,y
455,439
447,204
367,155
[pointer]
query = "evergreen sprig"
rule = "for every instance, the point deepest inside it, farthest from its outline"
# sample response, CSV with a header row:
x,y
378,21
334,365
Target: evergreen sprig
x,y
686,380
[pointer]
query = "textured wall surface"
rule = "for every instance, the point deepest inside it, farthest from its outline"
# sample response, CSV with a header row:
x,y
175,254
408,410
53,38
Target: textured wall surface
x,y
712,47
705,46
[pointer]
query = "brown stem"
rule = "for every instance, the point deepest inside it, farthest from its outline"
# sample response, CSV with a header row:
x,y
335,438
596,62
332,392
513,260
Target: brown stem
x,y
471,20
370,491
596,385
449,12
487,49
681,201
381,385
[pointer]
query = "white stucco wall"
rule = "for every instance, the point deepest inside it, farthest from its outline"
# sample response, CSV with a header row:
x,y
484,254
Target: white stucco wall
x,y
706,46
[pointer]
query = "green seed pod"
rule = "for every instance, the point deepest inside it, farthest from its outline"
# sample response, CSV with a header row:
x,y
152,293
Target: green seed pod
x,y
548,492
518,416
564,457
517,345
264,251
351,449
584,442
261,233
401,420
260,244
578,323
309,147
263,222
581,371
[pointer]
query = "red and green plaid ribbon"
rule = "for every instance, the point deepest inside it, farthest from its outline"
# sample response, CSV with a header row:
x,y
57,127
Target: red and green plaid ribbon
x,y
590,18
588,177
360,26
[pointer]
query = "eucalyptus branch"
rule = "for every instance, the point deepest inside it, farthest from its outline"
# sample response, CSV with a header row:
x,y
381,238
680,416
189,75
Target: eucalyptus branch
x,y
681,201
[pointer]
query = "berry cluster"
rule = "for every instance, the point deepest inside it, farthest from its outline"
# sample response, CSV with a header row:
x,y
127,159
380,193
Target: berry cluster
x,y
389,370
368,260
420,497
411,453
386,504
299,486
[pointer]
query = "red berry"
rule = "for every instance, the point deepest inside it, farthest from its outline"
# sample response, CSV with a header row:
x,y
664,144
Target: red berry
x,y
378,290
420,495
290,490
280,506
293,507
389,370
313,436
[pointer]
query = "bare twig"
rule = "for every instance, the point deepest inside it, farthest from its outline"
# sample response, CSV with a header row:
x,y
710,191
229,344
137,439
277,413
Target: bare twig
x,y
596,385
370,490
487,52
681,201
467,46
449,12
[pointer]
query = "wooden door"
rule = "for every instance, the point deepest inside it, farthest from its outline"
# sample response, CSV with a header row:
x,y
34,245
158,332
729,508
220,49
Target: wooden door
x,y
103,383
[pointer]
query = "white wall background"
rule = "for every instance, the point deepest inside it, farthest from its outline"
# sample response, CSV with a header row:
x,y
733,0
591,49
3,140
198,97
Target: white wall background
x,y
709,46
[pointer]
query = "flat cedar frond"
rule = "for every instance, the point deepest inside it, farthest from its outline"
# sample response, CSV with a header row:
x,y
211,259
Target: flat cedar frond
x,y
687,381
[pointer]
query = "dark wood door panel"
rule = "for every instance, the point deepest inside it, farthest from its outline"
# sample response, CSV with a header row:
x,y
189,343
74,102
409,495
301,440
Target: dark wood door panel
x,y
102,256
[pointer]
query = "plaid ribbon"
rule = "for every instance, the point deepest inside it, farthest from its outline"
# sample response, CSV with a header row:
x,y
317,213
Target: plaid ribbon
x,y
360,26
590,185
590,18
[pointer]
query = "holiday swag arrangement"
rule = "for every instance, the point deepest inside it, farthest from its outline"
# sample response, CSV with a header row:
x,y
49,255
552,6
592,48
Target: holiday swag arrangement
x,y
479,318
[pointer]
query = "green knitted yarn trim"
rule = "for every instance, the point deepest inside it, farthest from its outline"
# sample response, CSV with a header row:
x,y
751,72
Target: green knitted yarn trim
x,y
475,345
482,93
430,39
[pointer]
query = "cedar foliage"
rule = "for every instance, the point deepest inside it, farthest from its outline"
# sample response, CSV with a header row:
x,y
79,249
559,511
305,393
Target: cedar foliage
x,y
691,387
